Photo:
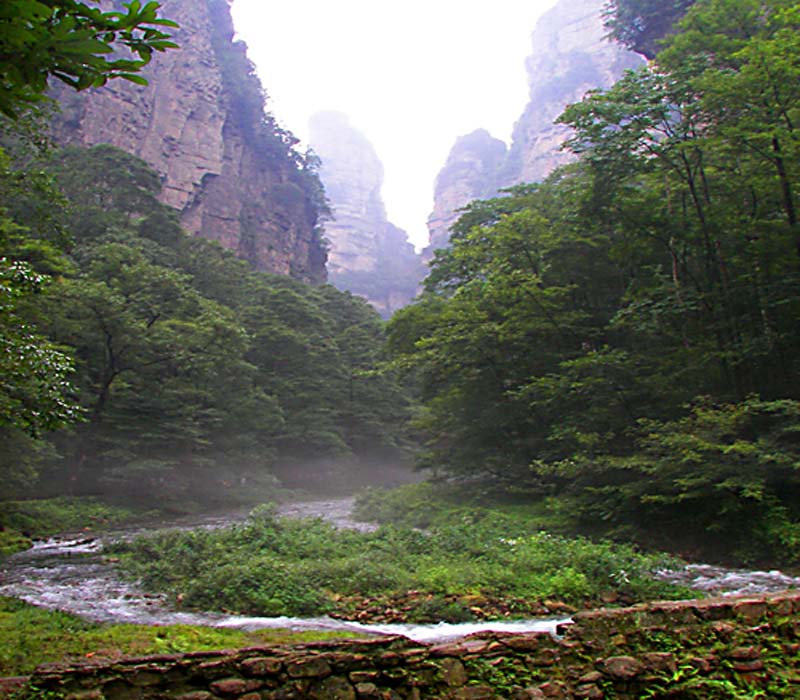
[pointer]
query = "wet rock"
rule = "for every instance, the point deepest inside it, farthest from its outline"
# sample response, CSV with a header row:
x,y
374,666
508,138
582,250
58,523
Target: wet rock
x,y
475,692
527,642
554,690
333,688
591,677
744,654
364,676
347,662
388,659
394,676
195,695
313,667
142,678
659,662
623,667
783,607
750,611
545,657
449,649
453,672
723,629
229,687
704,664
715,610
86,695
748,666
261,666
367,691
215,669
528,694
557,607
475,646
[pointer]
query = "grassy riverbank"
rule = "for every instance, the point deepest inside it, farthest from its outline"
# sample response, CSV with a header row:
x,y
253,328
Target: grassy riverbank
x,y
480,565
30,636
23,521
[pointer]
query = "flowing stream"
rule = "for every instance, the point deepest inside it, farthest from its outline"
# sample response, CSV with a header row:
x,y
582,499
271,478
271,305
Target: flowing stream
x,y
70,573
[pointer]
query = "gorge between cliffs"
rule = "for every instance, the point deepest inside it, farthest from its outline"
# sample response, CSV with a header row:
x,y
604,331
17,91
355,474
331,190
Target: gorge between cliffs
x,y
552,454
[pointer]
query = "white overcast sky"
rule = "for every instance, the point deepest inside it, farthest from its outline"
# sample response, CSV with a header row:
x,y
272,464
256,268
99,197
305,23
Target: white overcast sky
x,y
412,76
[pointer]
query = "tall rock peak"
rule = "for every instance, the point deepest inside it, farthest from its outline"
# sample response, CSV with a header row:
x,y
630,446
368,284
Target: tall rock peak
x,y
571,55
233,175
369,256
472,171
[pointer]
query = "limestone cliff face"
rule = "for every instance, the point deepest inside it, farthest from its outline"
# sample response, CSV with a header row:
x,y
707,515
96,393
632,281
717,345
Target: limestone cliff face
x,y
472,171
369,256
226,167
570,56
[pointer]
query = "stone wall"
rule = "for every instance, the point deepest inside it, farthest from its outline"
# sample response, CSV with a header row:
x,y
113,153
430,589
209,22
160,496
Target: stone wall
x,y
695,649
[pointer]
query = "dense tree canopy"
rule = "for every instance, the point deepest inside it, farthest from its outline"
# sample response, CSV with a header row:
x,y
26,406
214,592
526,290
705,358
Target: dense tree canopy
x,y
191,370
626,333
642,24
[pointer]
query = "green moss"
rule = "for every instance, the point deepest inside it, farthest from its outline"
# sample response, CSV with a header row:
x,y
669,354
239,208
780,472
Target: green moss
x,y
505,675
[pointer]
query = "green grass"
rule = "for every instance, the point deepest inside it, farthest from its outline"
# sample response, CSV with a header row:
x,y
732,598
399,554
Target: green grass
x,y
30,636
22,520
427,504
274,566
13,541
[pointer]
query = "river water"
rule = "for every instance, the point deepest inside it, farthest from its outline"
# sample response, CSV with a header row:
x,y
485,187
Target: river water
x,y
70,573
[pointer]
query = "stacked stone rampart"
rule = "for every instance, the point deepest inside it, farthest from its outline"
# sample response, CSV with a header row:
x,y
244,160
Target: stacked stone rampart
x,y
694,649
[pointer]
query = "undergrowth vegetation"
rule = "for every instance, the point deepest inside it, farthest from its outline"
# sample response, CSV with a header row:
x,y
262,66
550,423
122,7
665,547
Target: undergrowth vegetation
x,y
452,571
22,521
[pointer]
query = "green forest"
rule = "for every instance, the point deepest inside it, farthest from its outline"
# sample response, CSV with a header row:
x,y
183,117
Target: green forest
x,y
164,364
623,336
140,363
601,368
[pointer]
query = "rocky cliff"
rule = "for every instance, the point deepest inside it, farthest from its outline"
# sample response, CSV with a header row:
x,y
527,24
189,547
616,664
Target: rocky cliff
x,y
571,55
226,166
369,256
472,171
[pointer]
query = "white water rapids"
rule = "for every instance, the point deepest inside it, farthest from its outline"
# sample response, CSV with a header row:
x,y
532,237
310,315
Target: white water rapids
x,y
70,573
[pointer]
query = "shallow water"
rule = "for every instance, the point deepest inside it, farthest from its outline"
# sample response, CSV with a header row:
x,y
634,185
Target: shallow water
x,y
70,573
717,580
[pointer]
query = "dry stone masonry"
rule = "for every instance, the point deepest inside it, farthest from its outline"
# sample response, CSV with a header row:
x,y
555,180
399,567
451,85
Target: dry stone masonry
x,y
682,650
